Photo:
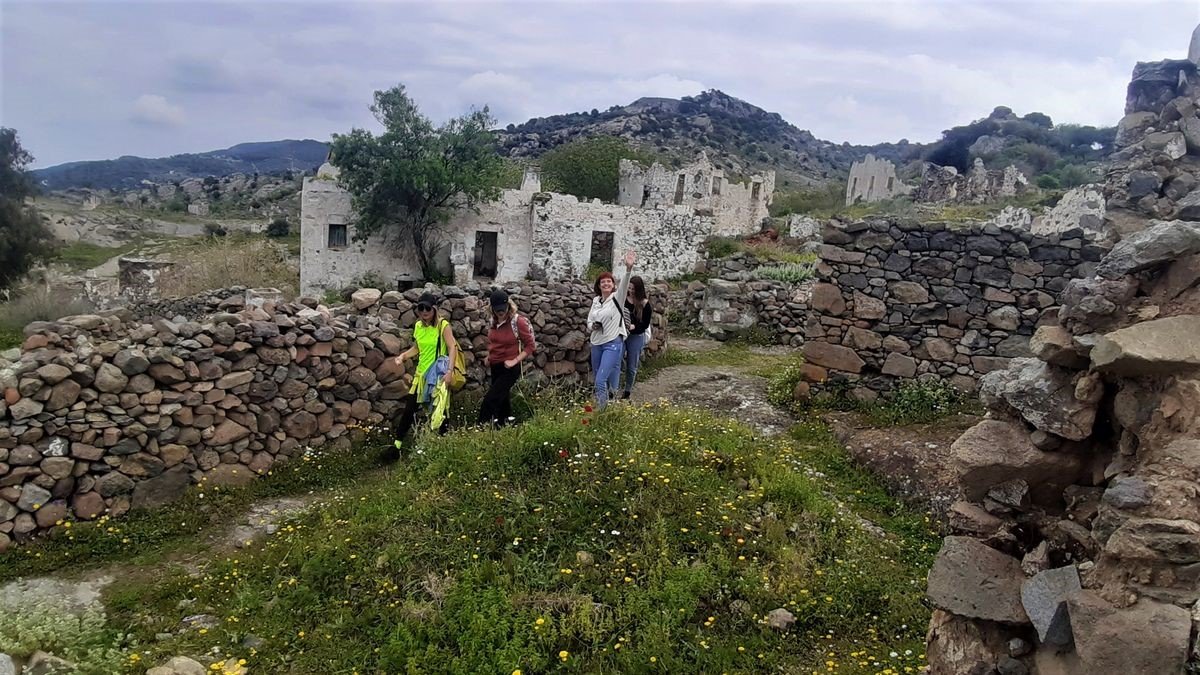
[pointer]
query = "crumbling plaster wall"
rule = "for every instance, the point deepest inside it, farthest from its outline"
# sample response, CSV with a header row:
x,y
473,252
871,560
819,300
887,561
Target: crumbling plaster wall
x,y
667,241
873,180
324,203
737,208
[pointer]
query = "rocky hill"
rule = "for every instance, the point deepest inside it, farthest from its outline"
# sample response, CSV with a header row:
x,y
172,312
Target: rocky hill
x,y
739,136
123,173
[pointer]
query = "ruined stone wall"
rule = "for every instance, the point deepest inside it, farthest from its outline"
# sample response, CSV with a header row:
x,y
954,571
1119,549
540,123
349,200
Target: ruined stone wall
x,y
1076,545
668,242
738,208
902,300
725,309
873,180
323,204
980,185
101,415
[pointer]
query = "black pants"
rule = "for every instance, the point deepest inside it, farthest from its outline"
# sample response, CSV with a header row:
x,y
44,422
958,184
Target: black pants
x,y
403,422
497,403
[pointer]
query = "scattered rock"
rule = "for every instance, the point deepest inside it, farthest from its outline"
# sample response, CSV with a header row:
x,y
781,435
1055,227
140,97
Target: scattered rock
x,y
1044,598
780,619
973,580
1160,347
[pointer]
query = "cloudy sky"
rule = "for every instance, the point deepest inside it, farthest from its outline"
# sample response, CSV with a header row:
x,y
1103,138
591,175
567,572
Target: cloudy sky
x,y
103,78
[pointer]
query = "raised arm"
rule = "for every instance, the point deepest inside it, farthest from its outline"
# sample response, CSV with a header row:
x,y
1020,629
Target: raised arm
x,y
623,287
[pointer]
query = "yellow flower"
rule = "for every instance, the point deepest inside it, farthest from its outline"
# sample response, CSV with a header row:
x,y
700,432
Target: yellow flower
x,y
564,655
540,621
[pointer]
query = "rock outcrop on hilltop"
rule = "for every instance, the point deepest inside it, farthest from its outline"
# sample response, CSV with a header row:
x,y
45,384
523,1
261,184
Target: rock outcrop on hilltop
x,y
1077,539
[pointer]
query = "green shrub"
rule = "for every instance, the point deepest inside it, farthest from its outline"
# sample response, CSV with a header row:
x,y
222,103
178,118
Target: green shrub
x,y
215,230
84,640
917,402
721,247
279,227
782,384
1048,181
792,273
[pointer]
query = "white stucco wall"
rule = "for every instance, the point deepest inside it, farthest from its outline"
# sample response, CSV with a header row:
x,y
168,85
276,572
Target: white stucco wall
x,y
735,208
873,180
322,203
540,233
668,241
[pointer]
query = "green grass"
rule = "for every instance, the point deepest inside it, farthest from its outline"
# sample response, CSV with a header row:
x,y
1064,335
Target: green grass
x,y
641,540
734,353
10,337
146,536
80,255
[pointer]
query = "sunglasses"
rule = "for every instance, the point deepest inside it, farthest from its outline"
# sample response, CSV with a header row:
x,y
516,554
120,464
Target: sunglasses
x,y
424,308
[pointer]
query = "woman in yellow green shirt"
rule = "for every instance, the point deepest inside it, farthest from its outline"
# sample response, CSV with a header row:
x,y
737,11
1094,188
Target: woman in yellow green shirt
x,y
431,334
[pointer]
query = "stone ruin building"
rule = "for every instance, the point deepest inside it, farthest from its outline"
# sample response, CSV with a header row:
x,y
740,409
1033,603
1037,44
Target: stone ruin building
x,y
664,214
874,180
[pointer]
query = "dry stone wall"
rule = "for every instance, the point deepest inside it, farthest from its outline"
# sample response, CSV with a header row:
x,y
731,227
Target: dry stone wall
x,y
1076,544
901,300
104,413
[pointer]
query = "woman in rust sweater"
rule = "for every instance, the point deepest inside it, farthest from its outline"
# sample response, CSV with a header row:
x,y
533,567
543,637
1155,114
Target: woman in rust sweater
x,y
510,341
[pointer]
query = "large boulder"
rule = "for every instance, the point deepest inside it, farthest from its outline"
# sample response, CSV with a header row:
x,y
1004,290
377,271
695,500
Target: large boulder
x,y
835,357
1162,242
1159,347
1149,637
973,580
995,451
1054,400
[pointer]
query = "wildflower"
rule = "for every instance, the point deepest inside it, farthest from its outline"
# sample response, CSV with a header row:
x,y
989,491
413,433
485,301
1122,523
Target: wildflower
x,y
564,655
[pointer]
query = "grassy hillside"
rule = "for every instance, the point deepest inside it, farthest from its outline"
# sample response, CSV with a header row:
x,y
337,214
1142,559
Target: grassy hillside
x,y
645,539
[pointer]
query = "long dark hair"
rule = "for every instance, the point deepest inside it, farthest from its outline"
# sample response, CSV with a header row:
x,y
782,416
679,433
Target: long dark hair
x,y
639,288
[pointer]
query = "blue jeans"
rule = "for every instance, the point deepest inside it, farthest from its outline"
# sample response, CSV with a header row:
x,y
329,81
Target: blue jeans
x,y
634,344
606,364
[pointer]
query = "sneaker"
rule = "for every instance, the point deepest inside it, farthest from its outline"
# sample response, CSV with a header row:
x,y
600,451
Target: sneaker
x,y
392,454
624,395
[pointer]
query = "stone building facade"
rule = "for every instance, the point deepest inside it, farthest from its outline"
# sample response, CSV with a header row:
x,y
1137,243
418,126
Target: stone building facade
x,y
528,233
701,188
873,180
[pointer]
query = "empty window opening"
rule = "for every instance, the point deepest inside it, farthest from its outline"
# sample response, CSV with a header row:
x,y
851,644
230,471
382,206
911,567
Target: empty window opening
x,y
679,189
891,184
871,188
854,185
754,191
716,185
602,250
485,255
337,235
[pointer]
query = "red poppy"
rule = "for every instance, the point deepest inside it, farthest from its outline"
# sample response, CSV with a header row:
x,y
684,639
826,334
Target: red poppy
x,y
585,421
562,453
587,408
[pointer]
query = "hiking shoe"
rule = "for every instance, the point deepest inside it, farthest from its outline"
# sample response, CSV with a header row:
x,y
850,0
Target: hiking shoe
x,y
624,395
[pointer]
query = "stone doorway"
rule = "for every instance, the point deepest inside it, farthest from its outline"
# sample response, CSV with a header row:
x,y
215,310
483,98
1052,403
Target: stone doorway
x,y
602,250
485,263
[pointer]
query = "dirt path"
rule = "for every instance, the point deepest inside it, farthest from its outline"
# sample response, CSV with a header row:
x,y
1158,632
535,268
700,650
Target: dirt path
x,y
726,390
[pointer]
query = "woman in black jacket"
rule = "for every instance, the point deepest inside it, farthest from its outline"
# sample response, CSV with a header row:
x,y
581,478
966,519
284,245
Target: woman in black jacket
x,y
637,307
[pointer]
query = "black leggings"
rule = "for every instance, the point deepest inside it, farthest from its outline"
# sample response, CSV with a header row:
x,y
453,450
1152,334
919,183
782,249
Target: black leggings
x,y
403,421
497,403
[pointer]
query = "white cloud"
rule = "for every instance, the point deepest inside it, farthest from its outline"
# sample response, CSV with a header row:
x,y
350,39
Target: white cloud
x,y
156,110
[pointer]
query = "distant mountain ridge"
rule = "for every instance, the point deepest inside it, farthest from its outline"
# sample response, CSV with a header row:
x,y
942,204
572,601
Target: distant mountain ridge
x,y
128,172
739,136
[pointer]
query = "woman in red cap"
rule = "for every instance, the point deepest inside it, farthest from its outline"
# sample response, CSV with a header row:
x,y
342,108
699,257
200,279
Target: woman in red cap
x,y
606,319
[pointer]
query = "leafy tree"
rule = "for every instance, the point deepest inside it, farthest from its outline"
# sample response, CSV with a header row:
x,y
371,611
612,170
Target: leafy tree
x,y
23,236
1048,182
1041,119
413,176
588,168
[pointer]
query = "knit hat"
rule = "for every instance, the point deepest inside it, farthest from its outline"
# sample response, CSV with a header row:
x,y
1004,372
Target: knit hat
x,y
499,300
